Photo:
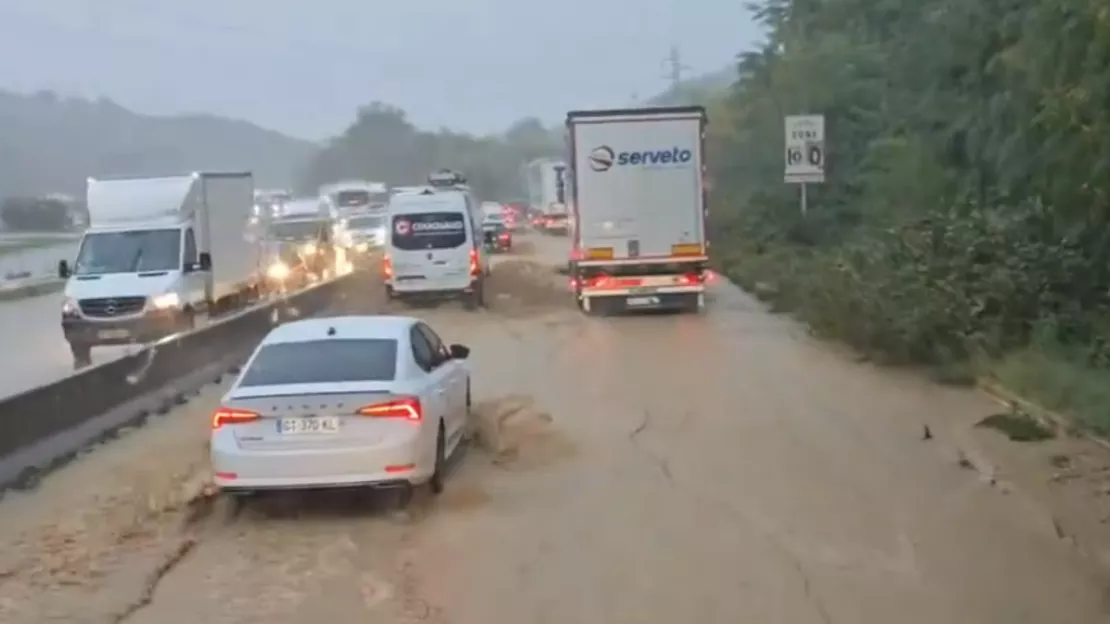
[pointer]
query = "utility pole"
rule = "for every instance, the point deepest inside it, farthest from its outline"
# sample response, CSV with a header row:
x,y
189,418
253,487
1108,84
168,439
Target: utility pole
x,y
673,67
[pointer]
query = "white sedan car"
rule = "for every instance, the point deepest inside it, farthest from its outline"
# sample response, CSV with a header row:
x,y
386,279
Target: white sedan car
x,y
344,401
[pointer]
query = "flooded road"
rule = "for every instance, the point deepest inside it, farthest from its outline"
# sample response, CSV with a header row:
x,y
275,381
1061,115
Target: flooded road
x,y
718,468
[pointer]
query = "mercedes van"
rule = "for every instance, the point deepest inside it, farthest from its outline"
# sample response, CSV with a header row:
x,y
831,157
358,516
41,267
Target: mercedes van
x,y
434,248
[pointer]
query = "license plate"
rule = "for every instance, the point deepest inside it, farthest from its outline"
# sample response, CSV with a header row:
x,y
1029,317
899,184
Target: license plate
x,y
113,334
643,289
297,426
643,301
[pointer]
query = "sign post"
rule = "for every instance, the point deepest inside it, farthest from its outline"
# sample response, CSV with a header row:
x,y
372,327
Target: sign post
x,y
805,152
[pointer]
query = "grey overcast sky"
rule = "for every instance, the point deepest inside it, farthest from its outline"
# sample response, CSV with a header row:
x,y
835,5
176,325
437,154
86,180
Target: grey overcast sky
x,y
304,67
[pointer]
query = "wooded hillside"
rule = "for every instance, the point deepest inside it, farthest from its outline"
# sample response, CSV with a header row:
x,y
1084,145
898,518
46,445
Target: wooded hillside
x,y
964,222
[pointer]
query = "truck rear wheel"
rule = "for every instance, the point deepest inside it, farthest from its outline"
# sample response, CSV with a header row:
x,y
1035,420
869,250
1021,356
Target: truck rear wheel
x,y
691,304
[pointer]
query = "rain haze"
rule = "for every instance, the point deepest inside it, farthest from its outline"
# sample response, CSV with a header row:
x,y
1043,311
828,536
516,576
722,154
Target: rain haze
x,y
304,68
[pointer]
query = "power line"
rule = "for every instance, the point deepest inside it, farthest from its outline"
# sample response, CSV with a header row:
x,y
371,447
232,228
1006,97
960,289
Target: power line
x,y
673,68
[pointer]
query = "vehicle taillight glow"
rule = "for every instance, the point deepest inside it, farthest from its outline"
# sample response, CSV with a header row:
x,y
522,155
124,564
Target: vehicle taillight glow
x,y
225,416
475,270
606,281
504,236
387,267
690,279
407,408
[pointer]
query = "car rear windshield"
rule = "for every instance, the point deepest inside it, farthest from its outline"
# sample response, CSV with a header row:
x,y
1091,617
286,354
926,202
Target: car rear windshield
x,y
352,198
323,361
430,230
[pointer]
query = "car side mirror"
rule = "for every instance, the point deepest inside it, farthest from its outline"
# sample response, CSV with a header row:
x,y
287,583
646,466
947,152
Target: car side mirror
x,y
63,269
459,352
205,263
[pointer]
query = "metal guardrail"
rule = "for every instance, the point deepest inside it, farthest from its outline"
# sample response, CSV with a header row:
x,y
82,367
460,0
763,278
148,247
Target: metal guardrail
x,y
48,423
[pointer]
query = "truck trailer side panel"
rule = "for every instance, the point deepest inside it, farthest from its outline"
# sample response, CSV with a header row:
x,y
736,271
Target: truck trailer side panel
x,y
638,183
237,258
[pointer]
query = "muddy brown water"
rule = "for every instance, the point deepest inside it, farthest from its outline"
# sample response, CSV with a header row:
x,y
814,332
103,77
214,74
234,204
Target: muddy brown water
x,y
714,468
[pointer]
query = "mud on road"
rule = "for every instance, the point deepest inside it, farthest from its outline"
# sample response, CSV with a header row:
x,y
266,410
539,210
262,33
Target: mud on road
x,y
717,468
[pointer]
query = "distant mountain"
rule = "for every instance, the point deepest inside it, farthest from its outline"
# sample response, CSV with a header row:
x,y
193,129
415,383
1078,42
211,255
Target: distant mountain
x,y
52,144
696,90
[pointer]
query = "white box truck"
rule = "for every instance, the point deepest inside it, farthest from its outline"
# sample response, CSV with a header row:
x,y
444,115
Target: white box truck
x,y
546,179
158,254
639,207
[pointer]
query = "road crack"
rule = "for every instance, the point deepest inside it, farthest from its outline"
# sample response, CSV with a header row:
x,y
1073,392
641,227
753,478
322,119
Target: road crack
x,y
146,596
807,588
660,462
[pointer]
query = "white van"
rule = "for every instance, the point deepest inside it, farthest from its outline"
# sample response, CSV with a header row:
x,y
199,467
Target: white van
x,y
434,248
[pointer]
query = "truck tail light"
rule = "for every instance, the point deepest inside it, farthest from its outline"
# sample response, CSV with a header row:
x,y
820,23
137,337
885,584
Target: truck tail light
x,y
387,267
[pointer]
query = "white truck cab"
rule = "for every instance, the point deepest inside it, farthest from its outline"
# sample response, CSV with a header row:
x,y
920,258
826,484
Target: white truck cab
x,y
159,253
354,196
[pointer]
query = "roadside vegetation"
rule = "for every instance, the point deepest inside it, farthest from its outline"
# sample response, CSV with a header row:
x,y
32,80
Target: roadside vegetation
x,y
383,141
964,225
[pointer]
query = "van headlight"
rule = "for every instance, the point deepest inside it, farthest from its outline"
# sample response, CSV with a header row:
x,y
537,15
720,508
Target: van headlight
x,y
69,307
364,246
308,248
278,271
166,301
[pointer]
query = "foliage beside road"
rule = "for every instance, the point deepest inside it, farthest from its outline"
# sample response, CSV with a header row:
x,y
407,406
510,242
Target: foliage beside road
x,y
964,224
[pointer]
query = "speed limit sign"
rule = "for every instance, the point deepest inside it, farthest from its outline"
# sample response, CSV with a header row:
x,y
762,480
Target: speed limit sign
x,y
805,149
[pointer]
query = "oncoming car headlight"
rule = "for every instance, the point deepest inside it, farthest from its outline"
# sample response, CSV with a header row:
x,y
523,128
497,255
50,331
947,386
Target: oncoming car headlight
x,y
308,248
362,246
168,300
278,271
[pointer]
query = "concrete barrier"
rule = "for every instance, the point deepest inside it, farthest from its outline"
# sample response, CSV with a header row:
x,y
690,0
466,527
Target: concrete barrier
x,y
48,424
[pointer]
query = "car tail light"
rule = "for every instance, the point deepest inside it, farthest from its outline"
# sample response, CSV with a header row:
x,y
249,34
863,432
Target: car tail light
x,y
504,236
475,270
387,267
406,408
231,416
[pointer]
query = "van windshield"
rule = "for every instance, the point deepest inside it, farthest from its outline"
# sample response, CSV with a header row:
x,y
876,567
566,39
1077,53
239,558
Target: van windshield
x,y
366,223
352,198
296,230
137,251
430,230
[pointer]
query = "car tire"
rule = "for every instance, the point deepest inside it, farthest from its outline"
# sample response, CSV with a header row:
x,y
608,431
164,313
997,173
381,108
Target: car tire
x,y
188,320
436,483
476,298
82,355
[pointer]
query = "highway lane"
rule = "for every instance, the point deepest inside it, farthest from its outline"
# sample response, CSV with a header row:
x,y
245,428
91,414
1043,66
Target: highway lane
x,y
35,351
39,261
718,468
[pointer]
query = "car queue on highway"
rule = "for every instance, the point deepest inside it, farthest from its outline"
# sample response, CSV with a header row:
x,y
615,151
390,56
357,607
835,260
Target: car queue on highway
x,y
416,340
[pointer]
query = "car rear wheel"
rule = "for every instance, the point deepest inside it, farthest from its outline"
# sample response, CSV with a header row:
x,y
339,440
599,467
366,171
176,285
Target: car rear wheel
x,y
436,482
476,298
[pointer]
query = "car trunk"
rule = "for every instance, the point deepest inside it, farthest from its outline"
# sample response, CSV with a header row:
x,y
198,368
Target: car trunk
x,y
279,409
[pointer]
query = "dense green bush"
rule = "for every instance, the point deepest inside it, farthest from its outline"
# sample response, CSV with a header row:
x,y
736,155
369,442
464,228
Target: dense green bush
x,y
968,198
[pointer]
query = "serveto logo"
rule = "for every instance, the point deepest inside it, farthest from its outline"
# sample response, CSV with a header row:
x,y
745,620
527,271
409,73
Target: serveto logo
x,y
601,158
676,156
402,227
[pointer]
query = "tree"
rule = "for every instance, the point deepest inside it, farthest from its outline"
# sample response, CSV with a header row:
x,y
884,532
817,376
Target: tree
x,y
969,172
383,145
